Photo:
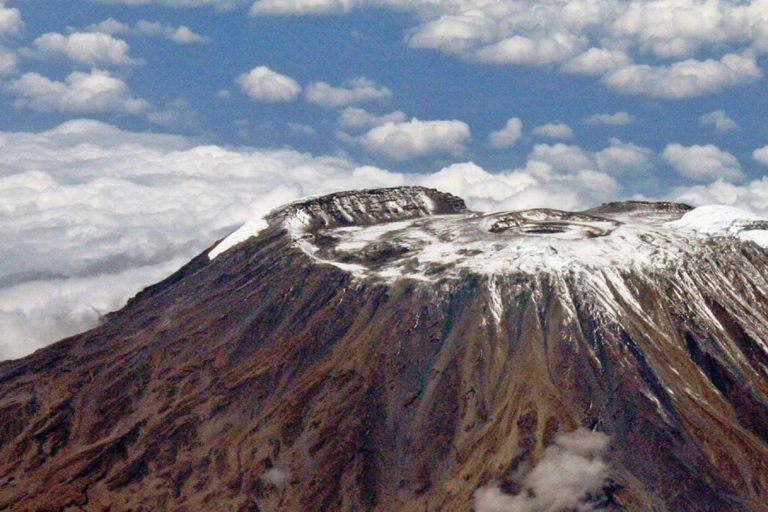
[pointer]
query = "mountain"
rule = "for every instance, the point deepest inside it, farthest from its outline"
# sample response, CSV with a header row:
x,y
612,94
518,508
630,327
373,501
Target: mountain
x,y
391,350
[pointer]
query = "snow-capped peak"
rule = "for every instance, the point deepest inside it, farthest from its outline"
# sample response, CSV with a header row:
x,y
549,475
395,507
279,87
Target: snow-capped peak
x,y
425,234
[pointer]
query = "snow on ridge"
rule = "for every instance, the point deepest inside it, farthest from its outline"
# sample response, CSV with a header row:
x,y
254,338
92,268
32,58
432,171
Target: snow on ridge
x,y
721,220
356,207
249,229
435,228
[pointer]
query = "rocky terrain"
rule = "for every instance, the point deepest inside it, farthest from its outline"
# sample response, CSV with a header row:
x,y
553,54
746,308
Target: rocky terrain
x,y
391,350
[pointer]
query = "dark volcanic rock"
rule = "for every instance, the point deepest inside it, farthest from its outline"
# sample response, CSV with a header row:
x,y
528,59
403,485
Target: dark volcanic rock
x,y
286,374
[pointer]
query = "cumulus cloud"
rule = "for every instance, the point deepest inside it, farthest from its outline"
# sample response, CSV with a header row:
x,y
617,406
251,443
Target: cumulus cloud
x,y
761,155
415,138
677,28
554,131
563,157
517,49
10,21
620,40
752,197
597,61
179,35
624,158
719,120
507,136
97,91
534,186
454,33
619,158
570,469
87,48
685,79
703,163
353,92
263,84
86,204
618,119
358,118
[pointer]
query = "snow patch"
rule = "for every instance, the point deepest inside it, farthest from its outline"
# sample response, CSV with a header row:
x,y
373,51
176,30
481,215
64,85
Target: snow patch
x,y
249,229
720,220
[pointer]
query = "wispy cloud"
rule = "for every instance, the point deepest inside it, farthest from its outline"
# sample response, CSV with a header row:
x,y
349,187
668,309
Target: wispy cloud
x,y
719,120
144,28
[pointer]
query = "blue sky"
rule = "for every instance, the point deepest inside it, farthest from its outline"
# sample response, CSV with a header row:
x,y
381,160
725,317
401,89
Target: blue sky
x,y
134,133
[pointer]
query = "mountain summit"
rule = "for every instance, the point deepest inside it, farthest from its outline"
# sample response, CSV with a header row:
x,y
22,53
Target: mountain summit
x,y
391,350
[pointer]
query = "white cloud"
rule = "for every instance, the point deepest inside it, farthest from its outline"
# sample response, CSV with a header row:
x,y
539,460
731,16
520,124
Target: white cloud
x,y
620,40
507,136
10,21
302,7
357,90
219,4
685,79
414,138
358,118
556,47
534,186
7,62
703,163
563,157
263,84
618,119
719,120
88,48
752,197
472,180
97,91
624,158
597,61
570,469
454,33
179,35
761,155
554,131
678,28
618,159
35,313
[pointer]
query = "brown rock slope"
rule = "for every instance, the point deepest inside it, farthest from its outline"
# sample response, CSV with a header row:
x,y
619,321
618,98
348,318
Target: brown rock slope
x,y
266,380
